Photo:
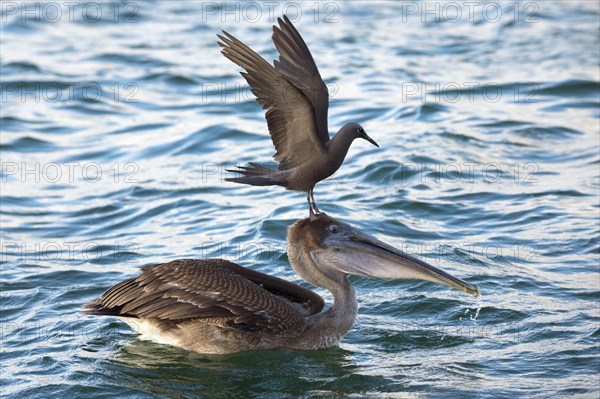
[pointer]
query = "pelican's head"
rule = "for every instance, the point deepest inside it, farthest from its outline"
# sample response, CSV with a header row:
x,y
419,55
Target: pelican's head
x,y
336,247
358,132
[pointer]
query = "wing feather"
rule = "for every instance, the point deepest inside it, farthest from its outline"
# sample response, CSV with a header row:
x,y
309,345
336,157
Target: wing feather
x,y
290,113
210,290
298,66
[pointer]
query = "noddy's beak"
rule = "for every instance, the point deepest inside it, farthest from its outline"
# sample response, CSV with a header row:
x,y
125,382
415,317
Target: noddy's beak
x,y
370,140
361,255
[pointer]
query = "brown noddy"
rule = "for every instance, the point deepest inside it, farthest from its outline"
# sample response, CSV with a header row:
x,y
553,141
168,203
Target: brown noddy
x,y
296,100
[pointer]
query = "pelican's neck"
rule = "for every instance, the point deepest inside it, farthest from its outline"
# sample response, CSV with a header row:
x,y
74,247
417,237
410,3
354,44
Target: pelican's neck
x,y
329,327
326,328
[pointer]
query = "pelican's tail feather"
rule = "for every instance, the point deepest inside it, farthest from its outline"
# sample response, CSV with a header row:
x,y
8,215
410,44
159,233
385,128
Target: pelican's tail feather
x,y
96,308
258,175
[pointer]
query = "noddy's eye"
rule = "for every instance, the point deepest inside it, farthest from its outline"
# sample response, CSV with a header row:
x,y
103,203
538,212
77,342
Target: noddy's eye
x,y
334,229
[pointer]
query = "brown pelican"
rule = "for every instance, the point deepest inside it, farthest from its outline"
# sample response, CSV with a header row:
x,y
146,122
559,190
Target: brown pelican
x,y
296,100
215,306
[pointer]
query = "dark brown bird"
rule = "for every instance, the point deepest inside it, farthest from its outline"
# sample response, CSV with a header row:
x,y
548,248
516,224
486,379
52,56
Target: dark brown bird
x,y
215,306
296,100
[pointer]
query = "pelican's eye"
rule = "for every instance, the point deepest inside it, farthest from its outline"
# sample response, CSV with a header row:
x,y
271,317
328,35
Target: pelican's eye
x,y
334,229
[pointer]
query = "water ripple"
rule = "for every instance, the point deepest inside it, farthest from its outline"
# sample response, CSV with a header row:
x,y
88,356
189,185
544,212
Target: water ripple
x,y
501,191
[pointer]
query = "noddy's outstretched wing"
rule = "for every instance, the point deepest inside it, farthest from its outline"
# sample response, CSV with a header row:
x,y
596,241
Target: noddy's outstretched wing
x,y
290,114
214,291
298,66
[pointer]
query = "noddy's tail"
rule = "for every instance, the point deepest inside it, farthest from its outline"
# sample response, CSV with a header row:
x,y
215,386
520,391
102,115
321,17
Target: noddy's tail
x,y
257,175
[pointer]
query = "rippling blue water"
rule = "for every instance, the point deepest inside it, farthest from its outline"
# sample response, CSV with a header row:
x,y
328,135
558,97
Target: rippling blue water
x,y
119,118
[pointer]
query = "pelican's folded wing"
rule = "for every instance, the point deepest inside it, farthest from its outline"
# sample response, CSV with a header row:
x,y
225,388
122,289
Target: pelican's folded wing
x,y
213,290
290,114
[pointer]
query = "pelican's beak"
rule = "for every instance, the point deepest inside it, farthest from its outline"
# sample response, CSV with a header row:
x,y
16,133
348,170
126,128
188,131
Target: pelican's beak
x,y
361,255
370,140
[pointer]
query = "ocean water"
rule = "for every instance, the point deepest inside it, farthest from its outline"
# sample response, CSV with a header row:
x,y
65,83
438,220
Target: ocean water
x,y
119,118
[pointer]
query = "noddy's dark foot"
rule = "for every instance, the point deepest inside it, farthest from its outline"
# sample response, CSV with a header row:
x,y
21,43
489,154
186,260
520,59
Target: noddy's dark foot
x,y
312,205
